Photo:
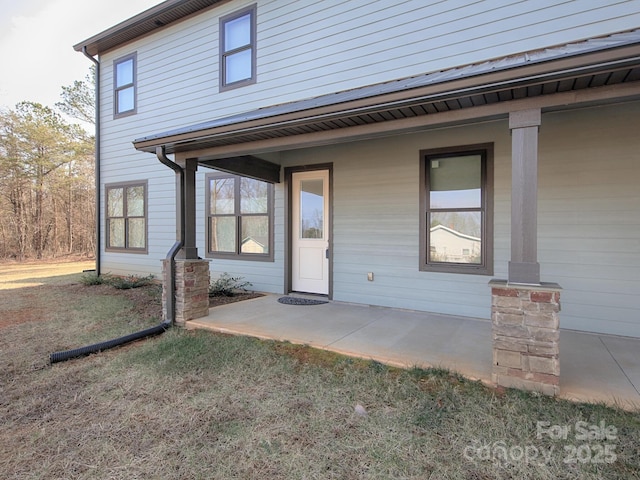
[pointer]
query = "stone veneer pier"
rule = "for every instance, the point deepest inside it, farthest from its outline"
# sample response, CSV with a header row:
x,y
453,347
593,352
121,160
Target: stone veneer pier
x,y
526,336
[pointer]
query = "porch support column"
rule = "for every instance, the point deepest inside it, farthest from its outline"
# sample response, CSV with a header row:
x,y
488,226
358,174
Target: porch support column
x,y
191,289
186,273
524,312
525,330
189,250
524,267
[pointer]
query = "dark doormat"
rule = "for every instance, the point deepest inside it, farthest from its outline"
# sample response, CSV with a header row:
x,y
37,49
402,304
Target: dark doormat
x,y
300,301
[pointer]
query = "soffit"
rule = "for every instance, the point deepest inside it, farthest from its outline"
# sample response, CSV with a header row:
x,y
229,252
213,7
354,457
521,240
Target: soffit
x,y
142,24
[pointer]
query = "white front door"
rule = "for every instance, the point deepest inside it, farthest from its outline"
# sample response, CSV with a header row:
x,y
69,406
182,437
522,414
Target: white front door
x,y
310,232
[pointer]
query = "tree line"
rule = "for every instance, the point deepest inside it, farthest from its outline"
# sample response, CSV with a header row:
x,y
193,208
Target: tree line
x,y
47,189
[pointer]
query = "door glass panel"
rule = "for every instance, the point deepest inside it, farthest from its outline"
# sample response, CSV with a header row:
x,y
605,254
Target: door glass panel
x,y
312,209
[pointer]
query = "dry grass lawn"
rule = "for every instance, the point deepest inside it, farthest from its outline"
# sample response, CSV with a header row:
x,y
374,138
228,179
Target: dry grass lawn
x,y
195,405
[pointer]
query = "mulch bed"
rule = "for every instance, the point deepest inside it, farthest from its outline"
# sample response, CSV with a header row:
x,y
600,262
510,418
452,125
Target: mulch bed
x,y
238,297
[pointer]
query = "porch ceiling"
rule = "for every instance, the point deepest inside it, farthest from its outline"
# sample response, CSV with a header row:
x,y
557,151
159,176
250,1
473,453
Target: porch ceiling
x,y
586,73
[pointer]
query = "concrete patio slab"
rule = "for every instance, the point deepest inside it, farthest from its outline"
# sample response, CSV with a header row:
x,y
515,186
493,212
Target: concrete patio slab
x,y
589,372
402,338
626,353
264,317
593,368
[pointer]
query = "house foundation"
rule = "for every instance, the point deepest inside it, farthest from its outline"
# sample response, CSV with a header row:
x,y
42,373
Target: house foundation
x,y
526,334
191,289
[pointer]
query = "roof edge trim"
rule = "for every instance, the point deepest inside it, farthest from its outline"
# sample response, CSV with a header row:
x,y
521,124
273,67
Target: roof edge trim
x,y
444,84
142,24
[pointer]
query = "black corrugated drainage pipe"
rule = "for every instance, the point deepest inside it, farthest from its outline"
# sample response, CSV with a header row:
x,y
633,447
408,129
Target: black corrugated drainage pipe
x,y
169,299
116,342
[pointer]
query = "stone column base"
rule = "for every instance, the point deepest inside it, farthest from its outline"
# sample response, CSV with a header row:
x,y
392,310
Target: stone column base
x,y
526,334
192,289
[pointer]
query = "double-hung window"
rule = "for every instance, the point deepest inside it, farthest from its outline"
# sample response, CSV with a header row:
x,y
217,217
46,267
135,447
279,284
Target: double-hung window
x,y
239,217
238,48
124,86
457,210
126,217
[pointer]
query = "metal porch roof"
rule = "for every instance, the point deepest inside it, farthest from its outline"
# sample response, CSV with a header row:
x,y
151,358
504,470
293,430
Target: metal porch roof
x,y
610,60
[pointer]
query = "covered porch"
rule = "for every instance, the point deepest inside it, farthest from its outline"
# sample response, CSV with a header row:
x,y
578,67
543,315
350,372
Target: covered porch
x,y
595,368
520,347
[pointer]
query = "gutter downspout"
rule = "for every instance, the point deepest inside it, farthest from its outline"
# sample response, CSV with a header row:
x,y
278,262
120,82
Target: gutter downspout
x,y
170,297
170,303
171,255
97,155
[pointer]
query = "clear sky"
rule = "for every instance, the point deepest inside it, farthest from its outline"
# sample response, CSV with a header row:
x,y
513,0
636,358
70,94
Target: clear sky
x,y
37,38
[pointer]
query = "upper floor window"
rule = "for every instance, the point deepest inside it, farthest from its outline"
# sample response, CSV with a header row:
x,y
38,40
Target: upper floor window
x,y
239,217
457,210
238,48
126,218
124,86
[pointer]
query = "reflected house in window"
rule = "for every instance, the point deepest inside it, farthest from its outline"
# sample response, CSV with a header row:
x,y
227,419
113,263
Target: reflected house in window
x,y
449,245
240,216
255,245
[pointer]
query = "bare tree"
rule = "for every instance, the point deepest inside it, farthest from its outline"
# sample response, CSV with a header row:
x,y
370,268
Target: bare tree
x,y
78,100
41,157
47,191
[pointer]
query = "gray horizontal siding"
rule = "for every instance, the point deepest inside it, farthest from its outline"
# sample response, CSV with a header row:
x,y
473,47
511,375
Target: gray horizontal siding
x,y
589,226
589,232
312,48
589,216
376,223
589,219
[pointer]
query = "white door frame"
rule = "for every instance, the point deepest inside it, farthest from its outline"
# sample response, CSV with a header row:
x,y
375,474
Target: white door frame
x,y
293,229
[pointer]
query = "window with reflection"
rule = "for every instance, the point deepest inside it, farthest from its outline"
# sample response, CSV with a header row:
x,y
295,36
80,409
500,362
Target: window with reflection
x,y
126,217
124,86
457,212
239,217
312,209
238,48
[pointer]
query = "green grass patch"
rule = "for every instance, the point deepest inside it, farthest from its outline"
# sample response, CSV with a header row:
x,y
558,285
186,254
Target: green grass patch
x,y
203,405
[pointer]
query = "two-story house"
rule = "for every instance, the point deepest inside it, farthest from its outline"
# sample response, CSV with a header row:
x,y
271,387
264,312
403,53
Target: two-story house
x,y
318,142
